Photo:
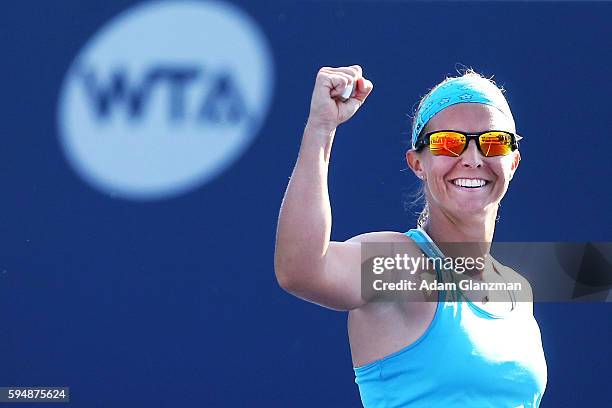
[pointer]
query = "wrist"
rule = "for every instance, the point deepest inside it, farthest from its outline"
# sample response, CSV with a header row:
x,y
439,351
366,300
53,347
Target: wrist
x,y
320,129
317,140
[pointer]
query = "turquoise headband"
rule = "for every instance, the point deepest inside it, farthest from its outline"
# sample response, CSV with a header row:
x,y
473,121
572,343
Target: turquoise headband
x,y
465,89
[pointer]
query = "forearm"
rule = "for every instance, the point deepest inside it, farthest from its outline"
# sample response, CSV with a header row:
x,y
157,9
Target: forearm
x,y
305,220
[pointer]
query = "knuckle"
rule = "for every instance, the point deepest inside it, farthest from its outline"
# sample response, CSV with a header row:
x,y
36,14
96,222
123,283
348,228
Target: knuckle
x,y
322,72
323,78
339,80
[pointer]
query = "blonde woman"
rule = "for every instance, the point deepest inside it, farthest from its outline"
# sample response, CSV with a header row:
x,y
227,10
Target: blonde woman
x,y
457,351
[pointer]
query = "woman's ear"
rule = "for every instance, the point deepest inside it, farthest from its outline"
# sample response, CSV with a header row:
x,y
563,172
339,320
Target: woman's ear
x,y
413,158
515,163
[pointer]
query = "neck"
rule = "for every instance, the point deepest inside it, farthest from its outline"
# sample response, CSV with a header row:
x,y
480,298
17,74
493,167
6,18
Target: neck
x,y
442,227
478,229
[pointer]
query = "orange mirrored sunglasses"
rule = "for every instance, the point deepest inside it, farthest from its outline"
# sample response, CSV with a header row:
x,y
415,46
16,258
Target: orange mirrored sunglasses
x,y
452,142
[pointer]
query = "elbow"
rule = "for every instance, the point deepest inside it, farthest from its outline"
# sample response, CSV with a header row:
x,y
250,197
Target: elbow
x,y
286,282
285,276
292,275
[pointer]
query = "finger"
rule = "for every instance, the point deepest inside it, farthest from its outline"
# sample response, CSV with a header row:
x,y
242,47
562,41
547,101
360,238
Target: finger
x,y
340,82
328,72
358,75
354,71
364,87
351,70
358,69
334,81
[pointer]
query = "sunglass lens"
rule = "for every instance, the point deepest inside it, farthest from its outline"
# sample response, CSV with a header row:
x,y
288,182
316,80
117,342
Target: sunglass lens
x,y
495,143
446,144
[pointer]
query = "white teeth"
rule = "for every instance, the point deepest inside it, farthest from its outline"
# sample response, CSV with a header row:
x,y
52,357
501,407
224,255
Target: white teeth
x,y
470,183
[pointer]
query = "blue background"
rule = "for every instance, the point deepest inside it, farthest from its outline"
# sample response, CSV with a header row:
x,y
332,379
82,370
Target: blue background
x,y
174,302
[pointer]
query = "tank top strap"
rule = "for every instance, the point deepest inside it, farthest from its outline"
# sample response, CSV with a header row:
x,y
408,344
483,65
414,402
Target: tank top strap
x,y
426,244
431,250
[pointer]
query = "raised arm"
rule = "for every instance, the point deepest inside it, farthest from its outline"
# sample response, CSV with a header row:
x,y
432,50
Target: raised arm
x,y
307,264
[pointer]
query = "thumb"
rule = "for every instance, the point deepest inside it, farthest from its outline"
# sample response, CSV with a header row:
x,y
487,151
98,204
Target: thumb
x,y
364,88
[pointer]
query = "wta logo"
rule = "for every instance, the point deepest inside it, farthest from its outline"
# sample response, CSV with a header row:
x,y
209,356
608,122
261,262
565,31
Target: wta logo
x,y
164,98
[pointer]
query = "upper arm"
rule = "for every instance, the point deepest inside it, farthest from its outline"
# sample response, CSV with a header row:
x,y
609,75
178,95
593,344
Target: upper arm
x,y
339,285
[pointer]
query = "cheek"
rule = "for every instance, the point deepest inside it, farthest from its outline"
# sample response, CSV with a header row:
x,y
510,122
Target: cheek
x,y
504,168
437,171
439,168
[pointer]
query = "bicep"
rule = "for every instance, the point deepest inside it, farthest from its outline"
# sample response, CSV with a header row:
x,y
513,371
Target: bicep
x,y
339,286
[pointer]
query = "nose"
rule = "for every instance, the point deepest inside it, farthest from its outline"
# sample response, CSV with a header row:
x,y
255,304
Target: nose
x,y
471,156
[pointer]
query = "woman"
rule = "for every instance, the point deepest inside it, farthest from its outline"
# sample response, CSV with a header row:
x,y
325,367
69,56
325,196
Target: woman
x,y
459,350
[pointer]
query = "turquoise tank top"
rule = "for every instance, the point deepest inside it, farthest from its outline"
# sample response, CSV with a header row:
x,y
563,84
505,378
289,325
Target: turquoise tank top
x,y
467,357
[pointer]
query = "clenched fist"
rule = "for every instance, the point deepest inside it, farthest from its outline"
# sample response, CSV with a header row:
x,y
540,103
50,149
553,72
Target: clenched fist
x,y
327,107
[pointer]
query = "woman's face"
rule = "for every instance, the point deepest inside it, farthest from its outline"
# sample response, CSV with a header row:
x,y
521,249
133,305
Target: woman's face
x,y
440,173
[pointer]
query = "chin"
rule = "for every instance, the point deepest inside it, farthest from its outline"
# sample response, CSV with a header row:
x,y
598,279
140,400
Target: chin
x,y
474,209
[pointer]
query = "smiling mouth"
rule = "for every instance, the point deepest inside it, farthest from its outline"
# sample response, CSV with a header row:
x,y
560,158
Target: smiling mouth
x,y
470,183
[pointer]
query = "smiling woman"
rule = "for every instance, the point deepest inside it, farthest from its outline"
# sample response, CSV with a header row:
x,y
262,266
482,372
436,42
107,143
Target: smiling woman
x,y
478,106
430,349
470,182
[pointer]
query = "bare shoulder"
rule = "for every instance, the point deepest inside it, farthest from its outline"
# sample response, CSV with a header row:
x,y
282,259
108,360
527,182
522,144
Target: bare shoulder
x,y
396,242
380,236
